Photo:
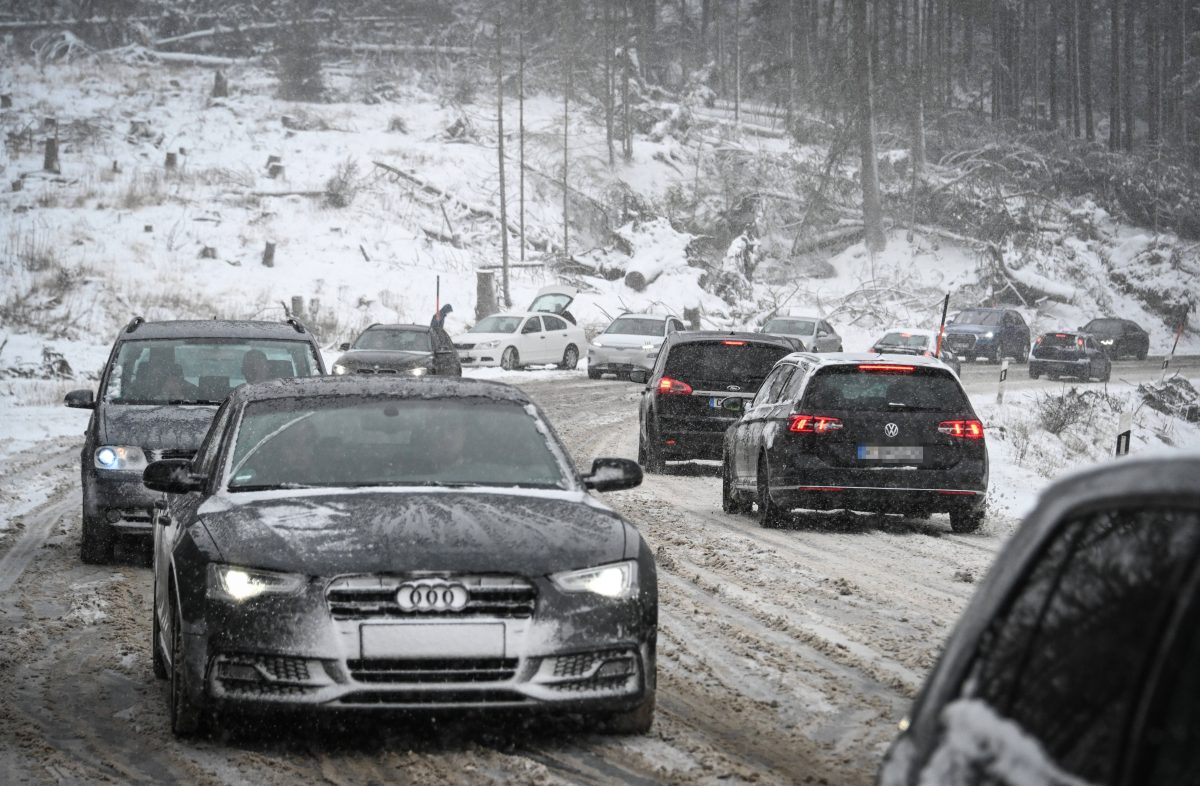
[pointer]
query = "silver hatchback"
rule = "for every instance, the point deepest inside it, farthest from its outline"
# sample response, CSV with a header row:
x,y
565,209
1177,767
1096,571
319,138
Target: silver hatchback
x,y
630,342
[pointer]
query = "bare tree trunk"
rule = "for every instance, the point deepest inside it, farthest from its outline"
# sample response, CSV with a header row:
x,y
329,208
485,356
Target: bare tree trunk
x,y
500,156
791,57
1127,92
1153,73
1085,59
872,210
1114,78
608,83
1053,75
520,133
1073,59
627,128
737,60
918,108
568,68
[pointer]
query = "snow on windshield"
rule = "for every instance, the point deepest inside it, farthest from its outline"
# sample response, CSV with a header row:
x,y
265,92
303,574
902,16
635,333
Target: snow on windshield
x,y
636,326
497,324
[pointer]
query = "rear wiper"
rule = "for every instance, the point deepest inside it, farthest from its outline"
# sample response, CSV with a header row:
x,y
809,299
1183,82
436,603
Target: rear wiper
x,y
899,404
174,402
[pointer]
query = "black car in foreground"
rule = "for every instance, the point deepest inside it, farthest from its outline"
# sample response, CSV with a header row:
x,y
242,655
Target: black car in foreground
x,y
354,544
1075,355
158,392
1076,660
873,433
681,416
411,350
1119,337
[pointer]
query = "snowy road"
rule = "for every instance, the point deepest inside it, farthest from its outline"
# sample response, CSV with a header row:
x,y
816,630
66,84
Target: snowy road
x,y
783,654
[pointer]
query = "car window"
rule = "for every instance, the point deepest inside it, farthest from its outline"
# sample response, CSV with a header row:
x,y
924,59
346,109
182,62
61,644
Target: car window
x,y
204,463
534,325
902,339
1061,667
346,441
1059,340
777,384
791,390
764,391
1103,326
826,327
159,371
1171,736
978,317
791,327
723,362
395,340
554,323
677,325
849,388
496,324
635,326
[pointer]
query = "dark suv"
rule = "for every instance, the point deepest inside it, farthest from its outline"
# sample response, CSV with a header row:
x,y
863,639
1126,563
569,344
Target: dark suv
x,y
991,333
158,393
682,416
411,350
1078,659
1069,355
1119,337
876,433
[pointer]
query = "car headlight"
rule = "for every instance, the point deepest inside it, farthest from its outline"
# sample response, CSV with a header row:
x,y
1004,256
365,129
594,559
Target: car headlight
x,y
419,371
650,347
119,457
618,580
989,334
488,344
339,369
596,343
238,584
1106,342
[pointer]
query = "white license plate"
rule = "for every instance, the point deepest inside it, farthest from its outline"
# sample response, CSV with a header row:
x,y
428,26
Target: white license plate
x,y
891,453
421,640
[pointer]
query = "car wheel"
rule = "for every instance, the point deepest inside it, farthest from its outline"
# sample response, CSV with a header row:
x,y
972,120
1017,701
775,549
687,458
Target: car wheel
x,y
964,521
769,516
1034,371
1142,353
839,349
156,657
635,721
595,373
96,541
510,360
570,358
187,717
731,501
651,458
997,354
1023,355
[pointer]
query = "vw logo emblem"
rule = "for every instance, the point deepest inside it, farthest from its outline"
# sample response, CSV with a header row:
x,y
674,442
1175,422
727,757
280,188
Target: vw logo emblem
x,y
432,595
734,388
891,429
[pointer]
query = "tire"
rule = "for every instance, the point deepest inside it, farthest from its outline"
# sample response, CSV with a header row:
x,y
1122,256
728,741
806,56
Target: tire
x,y
839,349
156,657
997,355
1107,375
731,501
635,721
570,358
966,521
96,541
594,373
650,457
187,718
1142,353
510,359
1023,355
769,516
1034,371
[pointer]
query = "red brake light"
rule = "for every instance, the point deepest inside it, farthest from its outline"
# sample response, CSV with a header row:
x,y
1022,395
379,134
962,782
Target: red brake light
x,y
964,429
734,343
813,424
1039,340
886,368
673,387
1079,342
1060,335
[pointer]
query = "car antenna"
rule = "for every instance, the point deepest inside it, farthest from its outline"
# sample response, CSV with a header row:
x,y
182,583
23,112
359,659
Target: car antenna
x,y
133,323
297,324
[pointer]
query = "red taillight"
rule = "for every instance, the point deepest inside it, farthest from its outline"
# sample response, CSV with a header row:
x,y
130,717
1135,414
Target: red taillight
x,y
964,429
1039,341
734,343
1079,343
673,387
813,424
1059,335
886,368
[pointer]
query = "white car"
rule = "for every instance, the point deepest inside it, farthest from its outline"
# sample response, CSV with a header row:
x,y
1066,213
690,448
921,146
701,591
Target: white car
x,y
817,334
631,341
545,333
916,341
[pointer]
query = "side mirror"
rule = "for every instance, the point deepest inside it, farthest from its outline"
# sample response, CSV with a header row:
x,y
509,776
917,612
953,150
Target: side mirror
x,y
1079,329
733,404
344,346
174,476
613,474
80,399
639,375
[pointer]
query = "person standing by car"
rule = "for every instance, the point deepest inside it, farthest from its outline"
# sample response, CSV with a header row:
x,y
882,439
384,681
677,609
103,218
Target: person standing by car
x,y
439,316
254,366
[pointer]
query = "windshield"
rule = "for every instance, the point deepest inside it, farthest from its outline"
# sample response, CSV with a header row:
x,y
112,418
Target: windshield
x,y
716,362
395,340
791,327
497,324
637,326
343,442
848,388
1104,326
201,371
978,317
907,340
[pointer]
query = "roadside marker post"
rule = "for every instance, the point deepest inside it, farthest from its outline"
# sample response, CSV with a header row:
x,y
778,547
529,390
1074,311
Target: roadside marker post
x,y
1167,360
1124,432
1003,379
942,327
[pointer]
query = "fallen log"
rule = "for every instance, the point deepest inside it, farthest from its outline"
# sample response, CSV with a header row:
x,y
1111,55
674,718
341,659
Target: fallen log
x,y
845,233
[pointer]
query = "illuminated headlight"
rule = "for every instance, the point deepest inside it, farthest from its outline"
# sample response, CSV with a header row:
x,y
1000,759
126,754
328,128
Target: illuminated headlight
x,y
1108,342
618,580
989,334
119,457
339,369
488,344
238,584
419,371
650,347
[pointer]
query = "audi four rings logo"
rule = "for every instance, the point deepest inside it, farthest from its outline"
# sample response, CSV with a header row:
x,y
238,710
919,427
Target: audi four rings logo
x,y
432,595
891,429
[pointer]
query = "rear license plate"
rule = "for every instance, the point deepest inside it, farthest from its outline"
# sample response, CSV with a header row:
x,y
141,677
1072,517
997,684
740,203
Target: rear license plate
x,y
891,453
714,402
449,640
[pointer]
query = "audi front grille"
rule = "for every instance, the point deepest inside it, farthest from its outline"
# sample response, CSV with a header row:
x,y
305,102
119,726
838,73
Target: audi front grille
x,y
369,597
432,671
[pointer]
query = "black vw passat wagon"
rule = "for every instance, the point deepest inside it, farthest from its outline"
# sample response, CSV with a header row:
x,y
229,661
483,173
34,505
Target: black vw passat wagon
x,y
356,543
873,433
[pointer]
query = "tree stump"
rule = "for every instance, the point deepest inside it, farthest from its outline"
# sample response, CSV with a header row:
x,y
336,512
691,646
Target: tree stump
x,y
116,167
18,184
268,257
148,228
314,308
172,161
49,124
6,101
50,160
273,159
208,252
297,306
692,315
485,294
274,171
220,88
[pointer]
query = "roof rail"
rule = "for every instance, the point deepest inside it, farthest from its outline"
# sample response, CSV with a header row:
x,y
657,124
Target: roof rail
x,y
133,323
373,324
297,324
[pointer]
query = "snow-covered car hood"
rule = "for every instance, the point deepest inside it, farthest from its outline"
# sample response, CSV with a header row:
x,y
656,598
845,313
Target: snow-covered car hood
x,y
325,533
379,358
154,427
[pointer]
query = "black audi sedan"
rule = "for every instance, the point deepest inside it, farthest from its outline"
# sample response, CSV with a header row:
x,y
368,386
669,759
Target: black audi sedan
x,y
862,432
1119,337
1076,660
681,417
411,350
354,544
158,393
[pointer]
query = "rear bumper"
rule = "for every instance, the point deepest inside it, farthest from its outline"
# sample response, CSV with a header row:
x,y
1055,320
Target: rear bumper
x,y
685,441
1064,367
613,360
878,499
479,357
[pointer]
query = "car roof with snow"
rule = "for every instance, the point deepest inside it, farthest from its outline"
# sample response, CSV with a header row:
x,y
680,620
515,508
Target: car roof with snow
x,y
397,326
910,331
689,336
390,387
852,358
214,328
640,315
